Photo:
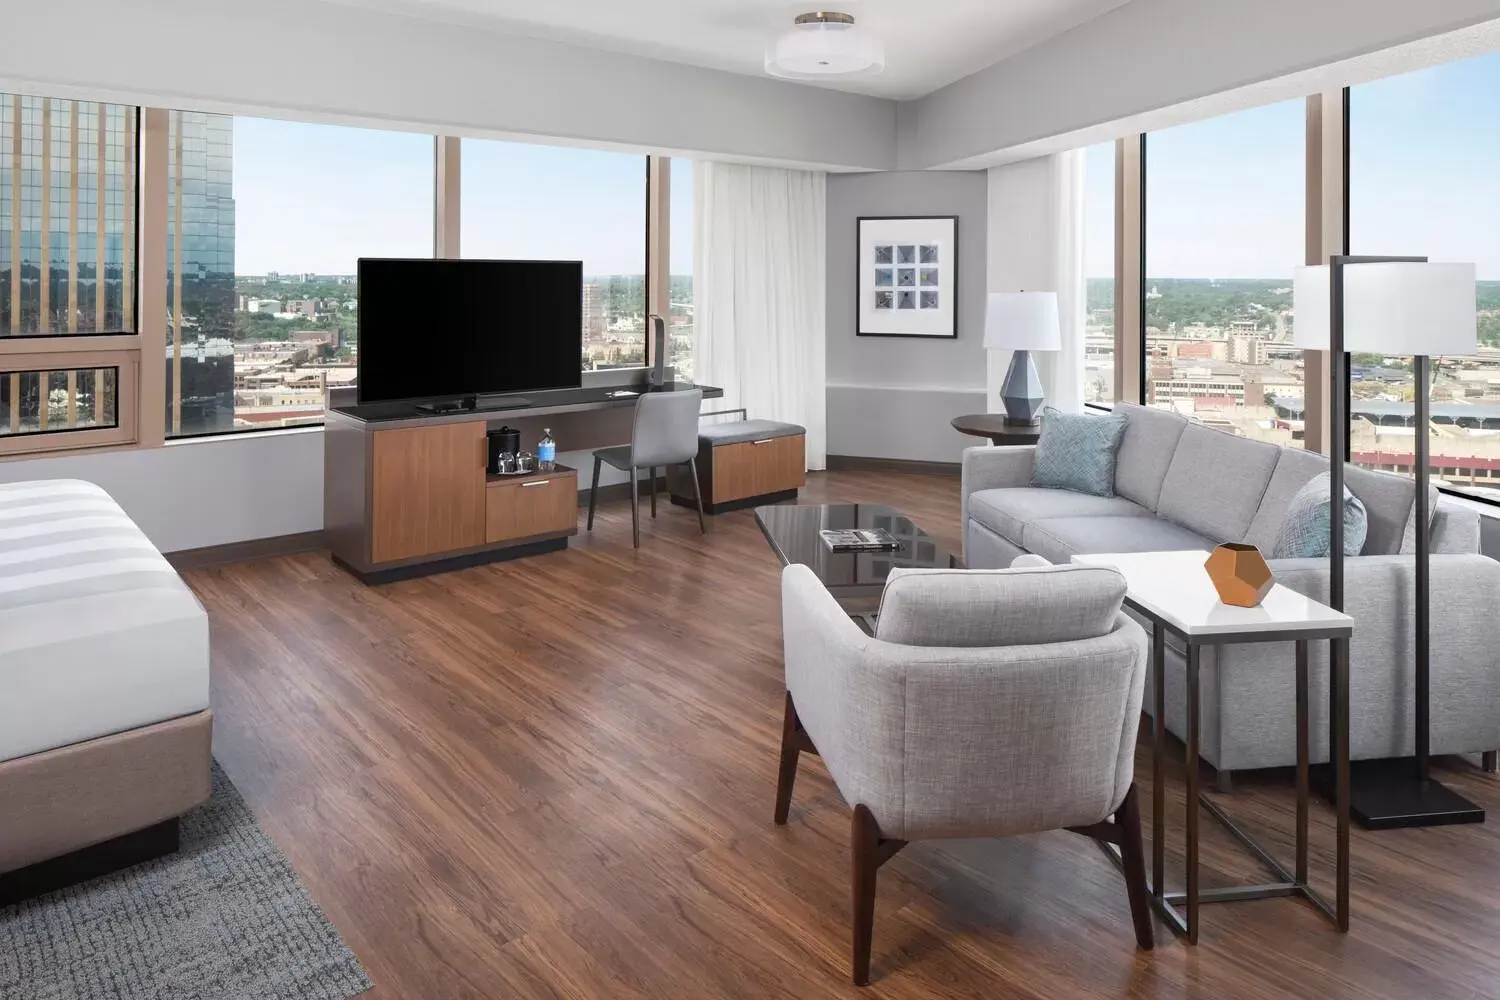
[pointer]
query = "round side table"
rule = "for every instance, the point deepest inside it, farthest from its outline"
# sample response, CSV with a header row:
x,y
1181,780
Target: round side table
x,y
994,427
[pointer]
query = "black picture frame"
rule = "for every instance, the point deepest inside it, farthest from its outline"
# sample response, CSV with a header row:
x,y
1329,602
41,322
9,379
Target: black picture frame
x,y
864,277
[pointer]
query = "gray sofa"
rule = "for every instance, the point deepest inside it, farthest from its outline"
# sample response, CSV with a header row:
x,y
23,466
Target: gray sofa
x,y
1180,485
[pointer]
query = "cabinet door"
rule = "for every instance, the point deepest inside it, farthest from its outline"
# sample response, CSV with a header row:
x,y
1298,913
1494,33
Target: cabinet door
x,y
545,505
428,490
754,468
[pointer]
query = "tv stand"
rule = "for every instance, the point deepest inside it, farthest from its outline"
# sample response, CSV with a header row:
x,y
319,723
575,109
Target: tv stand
x,y
504,403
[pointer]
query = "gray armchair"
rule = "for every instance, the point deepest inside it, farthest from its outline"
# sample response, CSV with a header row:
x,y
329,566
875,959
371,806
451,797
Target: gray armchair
x,y
987,704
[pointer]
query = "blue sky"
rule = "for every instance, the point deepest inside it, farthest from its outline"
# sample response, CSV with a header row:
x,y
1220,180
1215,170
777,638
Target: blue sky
x,y
1225,195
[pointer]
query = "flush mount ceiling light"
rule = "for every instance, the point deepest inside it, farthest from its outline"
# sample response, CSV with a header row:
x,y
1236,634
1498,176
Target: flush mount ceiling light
x,y
825,43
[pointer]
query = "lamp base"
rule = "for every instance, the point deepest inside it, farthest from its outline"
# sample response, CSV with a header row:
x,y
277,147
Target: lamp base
x,y
1390,795
1021,392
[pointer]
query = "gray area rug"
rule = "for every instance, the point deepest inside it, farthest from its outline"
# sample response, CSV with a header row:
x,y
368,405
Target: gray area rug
x,y
225,918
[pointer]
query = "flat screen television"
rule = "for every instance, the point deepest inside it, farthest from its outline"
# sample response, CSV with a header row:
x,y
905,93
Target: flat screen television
x,y
446,329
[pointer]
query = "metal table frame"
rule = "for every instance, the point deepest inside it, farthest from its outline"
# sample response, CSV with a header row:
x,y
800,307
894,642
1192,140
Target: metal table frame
x,y
1170,905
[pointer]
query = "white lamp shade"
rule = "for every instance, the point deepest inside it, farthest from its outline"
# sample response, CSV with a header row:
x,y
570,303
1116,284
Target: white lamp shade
x,y
813,50
1022,321
1395,308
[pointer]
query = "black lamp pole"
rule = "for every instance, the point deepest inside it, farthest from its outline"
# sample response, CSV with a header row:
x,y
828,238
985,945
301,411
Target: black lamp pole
x,y
1386,795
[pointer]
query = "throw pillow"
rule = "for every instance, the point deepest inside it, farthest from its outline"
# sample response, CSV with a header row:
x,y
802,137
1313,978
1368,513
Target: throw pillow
x,y
1304,533
1409,536
1077,452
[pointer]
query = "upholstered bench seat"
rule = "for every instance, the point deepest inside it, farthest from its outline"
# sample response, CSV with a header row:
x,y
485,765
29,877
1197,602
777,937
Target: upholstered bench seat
x,y
745,463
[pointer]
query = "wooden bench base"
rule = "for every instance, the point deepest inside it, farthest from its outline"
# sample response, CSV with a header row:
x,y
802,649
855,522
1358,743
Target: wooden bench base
x,y
743,474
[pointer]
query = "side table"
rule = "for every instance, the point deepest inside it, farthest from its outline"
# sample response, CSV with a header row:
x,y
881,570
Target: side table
x,y
1173,592
994,427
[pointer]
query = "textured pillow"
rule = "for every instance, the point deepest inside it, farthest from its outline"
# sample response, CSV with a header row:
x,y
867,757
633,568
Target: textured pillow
x,y
1304,533
1077,452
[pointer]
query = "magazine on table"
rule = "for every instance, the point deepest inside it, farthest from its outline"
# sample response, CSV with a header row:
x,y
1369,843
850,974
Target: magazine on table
x,y
860,540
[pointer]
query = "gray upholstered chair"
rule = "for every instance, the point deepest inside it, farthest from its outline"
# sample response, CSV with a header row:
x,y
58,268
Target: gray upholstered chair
x,y
665,433
988,703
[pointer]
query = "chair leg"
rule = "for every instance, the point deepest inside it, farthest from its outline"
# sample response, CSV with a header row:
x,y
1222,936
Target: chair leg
x,y
594,493
791,752
635,505
1223,781
1490,761
651,485
697,494
865,839
1133,859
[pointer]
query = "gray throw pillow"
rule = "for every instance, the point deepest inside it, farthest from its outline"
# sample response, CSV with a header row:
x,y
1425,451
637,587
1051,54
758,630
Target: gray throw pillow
x,y
1304,533
1077,452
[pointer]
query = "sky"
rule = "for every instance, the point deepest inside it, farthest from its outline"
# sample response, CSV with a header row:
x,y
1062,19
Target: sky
x,y
1225,195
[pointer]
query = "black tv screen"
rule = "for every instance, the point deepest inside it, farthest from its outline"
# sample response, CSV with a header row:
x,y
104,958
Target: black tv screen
x,y
444,329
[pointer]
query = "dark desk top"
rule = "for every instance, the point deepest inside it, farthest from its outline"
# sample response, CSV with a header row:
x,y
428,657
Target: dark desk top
x,y
522,404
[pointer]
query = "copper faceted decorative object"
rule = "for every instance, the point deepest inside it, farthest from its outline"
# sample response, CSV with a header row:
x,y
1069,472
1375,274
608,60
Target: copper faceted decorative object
x,y
1240,574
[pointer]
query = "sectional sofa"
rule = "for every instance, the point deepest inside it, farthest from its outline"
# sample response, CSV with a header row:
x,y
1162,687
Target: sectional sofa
x,y
1180,485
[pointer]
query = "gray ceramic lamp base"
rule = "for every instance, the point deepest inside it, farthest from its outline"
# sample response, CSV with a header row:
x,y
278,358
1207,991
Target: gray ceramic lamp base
x,y
1021,392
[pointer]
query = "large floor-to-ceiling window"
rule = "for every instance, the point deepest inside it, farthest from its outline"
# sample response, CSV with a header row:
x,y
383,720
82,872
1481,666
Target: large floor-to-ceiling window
x,y
1099,274
1424,180
265,223
1225,227
531,202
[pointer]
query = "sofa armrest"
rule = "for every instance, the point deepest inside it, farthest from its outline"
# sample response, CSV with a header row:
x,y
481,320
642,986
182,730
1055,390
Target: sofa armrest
x,y
1455,528
990,468
1379,591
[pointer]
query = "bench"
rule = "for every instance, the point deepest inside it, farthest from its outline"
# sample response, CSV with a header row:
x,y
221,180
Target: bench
x,y
744,463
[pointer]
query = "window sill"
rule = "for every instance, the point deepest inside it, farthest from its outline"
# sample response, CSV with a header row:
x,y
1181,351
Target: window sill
x,y
185,442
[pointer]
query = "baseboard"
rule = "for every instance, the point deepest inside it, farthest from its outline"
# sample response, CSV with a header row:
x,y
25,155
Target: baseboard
x,y
255,548
906,466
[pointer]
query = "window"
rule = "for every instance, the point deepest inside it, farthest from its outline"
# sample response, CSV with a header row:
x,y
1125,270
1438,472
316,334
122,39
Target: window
x,y
522,201
683,329
265,223
46,402
1225,227
1099,273
67,217
1424,180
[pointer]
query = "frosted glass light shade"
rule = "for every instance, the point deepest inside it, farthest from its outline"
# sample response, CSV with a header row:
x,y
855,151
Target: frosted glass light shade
x,y
825,49
1022,321
1391,308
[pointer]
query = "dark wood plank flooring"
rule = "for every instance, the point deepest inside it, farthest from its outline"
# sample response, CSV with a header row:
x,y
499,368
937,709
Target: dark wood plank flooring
x,y
555,778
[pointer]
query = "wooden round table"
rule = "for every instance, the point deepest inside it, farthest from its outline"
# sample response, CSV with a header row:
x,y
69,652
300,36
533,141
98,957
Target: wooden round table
x,y
994,427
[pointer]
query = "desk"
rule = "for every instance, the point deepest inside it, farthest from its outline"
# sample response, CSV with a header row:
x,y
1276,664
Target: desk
x,y
406,493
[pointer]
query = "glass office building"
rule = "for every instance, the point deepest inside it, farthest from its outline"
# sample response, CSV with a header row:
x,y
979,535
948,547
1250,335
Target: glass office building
x,y
200,274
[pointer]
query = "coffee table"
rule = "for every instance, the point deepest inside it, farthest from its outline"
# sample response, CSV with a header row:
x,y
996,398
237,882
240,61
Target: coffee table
x,y
855,579
1173,592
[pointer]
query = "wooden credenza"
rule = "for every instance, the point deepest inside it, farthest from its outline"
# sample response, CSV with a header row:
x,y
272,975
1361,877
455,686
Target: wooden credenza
x,y
401,501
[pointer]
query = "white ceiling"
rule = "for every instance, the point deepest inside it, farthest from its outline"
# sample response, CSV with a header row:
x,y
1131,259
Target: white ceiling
x,y
929,43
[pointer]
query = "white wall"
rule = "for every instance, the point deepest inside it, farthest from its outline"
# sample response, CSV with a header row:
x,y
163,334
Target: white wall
x,y
313,59
1153,54
894,397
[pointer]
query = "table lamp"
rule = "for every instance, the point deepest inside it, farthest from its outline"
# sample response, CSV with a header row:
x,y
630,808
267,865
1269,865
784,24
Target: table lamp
x,y
1395,306
1021,322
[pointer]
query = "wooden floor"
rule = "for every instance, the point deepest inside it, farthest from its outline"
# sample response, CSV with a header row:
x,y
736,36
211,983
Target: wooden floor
x,y
555,778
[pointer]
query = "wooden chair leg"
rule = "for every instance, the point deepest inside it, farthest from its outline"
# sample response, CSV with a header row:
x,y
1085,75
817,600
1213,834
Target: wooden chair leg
x,y
865,840
1133,857
594,493
791,752
635,505
697,494
651,485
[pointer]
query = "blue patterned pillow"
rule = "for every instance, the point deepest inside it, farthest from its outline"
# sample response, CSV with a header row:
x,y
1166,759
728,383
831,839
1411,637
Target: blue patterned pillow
x,y
1304,533
1077,452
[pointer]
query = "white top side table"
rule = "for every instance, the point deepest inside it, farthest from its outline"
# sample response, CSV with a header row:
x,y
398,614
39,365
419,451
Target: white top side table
x,y
1173,592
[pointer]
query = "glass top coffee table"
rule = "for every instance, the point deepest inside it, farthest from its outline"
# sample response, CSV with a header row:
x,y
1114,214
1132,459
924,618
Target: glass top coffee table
x,y
855,579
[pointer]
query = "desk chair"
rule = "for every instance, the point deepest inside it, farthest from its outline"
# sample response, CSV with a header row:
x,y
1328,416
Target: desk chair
x,y
665,433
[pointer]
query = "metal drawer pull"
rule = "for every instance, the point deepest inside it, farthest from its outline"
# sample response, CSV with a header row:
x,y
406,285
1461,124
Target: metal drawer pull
x,y
764,441
539,482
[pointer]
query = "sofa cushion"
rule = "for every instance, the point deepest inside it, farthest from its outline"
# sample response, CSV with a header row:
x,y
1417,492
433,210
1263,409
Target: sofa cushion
x,y
1059,539
1145,451
1295,468
1216,482
1007,511
999,607
1307,530
1077,452
1388,501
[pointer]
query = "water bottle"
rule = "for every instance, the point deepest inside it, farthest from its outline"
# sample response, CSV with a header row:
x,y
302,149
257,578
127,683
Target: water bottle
x,y
546,451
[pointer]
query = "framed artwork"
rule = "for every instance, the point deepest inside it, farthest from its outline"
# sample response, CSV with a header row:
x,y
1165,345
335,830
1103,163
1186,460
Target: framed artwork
x,y
907,285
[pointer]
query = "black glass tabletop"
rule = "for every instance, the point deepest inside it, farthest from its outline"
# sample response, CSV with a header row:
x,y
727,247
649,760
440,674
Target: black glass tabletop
x,y
855,578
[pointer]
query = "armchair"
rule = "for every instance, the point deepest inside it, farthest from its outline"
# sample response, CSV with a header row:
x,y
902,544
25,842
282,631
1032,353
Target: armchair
x,y
988,704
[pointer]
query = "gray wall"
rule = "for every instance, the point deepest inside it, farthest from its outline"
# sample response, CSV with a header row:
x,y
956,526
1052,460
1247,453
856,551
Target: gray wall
x,y
892,397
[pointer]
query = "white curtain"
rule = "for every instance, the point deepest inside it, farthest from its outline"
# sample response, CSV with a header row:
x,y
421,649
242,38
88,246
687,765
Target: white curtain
x,y
759,275
1062,371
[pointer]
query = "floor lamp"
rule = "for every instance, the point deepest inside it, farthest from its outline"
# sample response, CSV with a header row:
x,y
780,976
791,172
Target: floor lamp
x,y
1393,306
